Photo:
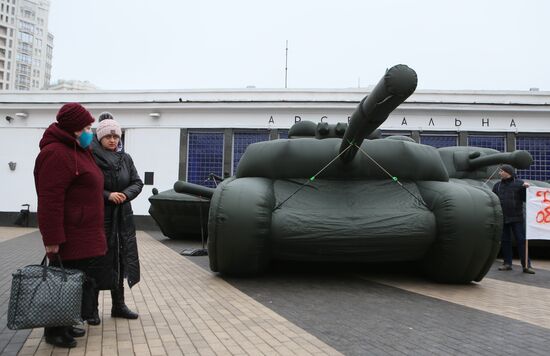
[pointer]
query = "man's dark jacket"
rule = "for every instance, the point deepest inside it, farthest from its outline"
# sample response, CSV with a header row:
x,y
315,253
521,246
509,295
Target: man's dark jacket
x,y
511,193
120,175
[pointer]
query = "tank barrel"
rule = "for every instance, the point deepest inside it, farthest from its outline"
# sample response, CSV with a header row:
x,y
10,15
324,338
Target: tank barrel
x,y
520,159
394,88
193,189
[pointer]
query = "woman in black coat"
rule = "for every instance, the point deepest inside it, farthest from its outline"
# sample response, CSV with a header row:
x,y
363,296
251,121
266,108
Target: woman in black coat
x,y
122,185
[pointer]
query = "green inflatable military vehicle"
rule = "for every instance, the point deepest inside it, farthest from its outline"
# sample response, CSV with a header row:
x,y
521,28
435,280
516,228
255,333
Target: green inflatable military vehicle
x,y
346,199
327,194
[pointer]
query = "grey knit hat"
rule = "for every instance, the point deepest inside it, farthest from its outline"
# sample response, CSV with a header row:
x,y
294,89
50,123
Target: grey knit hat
x,y
508,169
108,127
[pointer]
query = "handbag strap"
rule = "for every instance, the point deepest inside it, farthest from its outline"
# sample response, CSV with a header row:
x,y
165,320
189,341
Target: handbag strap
x,y
45,267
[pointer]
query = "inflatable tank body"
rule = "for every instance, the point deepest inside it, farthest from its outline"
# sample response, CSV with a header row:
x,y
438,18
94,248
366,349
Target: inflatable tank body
x,y
344,198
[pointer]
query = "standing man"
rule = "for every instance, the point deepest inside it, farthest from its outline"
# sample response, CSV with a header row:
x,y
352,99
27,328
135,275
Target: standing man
x,y
511,192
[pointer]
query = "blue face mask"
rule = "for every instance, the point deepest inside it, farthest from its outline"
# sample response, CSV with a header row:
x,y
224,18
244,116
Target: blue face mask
x,y
85,139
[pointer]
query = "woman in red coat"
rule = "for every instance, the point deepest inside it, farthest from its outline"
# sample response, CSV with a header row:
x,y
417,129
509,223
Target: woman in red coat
x,y
70,203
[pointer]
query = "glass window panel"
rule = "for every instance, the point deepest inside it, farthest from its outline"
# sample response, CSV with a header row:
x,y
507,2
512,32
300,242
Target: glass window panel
x,y
539,147
495,142
205,156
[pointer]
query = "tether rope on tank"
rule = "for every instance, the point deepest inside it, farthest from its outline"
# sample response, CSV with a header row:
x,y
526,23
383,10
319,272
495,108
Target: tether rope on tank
x,y
312,178
393,178
491,176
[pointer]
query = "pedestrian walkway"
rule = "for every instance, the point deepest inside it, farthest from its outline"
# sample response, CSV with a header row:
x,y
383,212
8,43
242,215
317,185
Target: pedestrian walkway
x,y
8,233
185,309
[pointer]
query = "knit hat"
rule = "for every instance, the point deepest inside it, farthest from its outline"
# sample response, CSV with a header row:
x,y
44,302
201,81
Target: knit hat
x,y
73,117
105,116
108,127
508,169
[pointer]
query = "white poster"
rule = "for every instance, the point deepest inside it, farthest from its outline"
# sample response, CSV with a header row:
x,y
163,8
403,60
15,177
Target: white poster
x,y
537,213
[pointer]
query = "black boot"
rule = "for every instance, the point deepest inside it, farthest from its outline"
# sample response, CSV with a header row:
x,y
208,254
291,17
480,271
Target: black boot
x,y
94,320
94,308
59,336
120,309
75,331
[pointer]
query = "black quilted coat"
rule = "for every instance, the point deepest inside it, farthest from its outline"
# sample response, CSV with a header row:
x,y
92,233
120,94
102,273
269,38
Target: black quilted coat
x,y
120,176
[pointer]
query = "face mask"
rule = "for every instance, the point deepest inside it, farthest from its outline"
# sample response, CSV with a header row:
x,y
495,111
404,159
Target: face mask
x,y
85,139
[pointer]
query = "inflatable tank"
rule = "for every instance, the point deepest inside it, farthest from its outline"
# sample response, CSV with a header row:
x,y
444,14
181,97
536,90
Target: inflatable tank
x,y
478,166
180,216
182,212
329,194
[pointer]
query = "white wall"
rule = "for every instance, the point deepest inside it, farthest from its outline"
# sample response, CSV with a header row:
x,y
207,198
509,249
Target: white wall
x,y
18,145
153,150
153,142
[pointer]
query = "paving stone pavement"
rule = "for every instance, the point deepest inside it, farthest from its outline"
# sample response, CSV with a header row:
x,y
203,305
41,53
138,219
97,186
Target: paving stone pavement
x,y
304,309
364,310
185,310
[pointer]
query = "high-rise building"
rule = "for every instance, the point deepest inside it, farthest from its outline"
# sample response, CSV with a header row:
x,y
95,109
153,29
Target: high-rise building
x,y
26,46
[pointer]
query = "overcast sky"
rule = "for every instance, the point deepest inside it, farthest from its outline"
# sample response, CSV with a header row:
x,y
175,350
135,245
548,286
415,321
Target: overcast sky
x,y
180,44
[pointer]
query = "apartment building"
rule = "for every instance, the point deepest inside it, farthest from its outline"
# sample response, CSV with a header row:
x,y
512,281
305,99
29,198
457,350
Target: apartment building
x,y
26,46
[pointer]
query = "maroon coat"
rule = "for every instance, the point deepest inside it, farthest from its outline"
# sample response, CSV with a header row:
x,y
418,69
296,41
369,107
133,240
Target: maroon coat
x,y
69,185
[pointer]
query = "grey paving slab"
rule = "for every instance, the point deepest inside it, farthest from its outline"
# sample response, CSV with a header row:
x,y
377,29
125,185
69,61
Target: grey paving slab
x,y
540,279
359,317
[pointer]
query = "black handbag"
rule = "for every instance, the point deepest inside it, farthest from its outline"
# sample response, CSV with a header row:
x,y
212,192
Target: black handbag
x,y
45,296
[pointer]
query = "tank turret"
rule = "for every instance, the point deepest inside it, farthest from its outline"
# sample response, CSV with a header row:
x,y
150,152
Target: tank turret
x,y
479,162
322,130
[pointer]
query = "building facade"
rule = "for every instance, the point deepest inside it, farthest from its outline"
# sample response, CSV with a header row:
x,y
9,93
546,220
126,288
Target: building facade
x,y
187,135
77,85
26,46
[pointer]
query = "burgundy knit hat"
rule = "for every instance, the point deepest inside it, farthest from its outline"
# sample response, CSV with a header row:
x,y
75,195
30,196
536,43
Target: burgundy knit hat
x,y
73,117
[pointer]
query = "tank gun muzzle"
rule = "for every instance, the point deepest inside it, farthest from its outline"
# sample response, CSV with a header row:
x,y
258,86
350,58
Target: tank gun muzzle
x,y
394,88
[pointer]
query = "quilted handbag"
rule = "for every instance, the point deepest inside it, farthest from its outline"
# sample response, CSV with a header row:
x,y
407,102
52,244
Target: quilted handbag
x,y
45,296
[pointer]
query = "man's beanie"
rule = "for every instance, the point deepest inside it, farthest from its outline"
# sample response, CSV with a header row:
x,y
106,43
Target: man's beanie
x,y
73,117
108,127
105,116
508,169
